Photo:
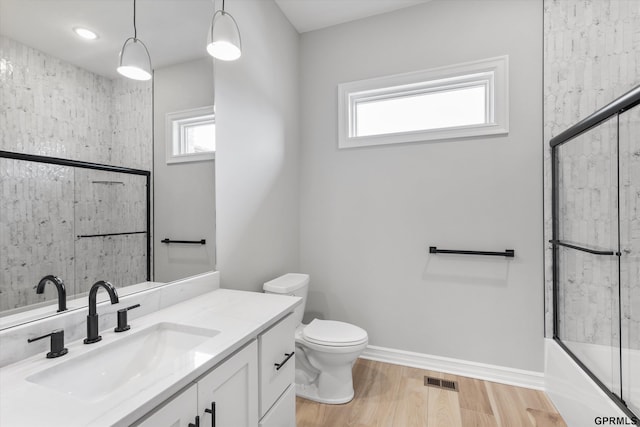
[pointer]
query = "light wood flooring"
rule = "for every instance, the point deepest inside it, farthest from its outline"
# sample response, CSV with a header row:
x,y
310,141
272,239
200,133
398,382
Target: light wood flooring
x,y
395,396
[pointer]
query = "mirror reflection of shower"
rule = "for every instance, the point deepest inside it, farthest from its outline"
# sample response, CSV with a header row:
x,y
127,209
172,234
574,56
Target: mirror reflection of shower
x,y
61,97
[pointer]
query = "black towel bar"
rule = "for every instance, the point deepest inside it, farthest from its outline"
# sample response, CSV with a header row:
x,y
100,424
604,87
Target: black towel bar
x,y
509,253
83,236
188,242
583,249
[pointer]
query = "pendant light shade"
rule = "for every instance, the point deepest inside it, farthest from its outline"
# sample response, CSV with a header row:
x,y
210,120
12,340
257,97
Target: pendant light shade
x,y
135,62
224,37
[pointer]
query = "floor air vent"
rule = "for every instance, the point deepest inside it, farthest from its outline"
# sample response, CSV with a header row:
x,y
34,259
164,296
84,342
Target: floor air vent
x,y
438,383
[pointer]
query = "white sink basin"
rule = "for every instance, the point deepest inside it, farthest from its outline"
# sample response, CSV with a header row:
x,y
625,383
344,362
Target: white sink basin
x,y
129,364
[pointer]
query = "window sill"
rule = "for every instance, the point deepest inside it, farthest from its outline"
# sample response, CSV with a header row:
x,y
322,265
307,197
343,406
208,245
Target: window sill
x,y
421,136
189,158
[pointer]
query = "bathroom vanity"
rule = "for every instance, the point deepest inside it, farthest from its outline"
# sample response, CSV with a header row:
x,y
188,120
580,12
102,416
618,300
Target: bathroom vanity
x,y
225,357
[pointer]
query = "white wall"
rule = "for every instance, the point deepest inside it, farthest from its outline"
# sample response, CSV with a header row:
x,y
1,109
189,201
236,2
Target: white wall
x,y
257,149
184,193
368,215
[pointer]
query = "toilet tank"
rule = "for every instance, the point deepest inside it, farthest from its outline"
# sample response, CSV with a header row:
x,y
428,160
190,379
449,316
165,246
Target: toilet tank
x,y
295,284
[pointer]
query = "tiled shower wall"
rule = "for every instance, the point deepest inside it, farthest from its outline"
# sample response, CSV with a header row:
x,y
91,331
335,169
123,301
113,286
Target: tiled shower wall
x,y
591,57
52,108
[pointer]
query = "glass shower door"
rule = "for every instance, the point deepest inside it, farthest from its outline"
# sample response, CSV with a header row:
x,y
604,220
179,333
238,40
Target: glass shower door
x,y
630,259
588,267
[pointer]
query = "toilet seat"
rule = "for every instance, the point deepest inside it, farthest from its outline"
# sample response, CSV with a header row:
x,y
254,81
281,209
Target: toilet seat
x,y
332,333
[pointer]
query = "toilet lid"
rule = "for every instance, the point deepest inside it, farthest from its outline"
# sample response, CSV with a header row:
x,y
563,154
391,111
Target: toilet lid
x,y
334,333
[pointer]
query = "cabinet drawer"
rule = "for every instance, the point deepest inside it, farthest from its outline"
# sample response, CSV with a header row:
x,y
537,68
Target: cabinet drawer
x,y
283,413
277,368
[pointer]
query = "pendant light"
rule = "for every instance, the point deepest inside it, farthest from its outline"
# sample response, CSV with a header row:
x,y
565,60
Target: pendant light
x,y
224,37
135,62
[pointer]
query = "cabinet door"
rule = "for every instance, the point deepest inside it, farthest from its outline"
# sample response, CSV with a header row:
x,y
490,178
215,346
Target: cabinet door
x,y
277,364
230,391
178,412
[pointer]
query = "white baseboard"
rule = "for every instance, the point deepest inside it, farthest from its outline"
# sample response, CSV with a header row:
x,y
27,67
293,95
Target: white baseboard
x,y
499,374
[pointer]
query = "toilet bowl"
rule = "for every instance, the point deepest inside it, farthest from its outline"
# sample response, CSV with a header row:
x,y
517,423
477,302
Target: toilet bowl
x,y
325,349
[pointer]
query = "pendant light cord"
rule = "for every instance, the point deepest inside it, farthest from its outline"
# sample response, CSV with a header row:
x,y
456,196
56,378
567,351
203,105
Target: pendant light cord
x,y
135,30
223,5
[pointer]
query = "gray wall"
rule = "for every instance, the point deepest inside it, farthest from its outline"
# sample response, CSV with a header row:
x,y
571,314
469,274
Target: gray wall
x,y
368,215
184,193
257,153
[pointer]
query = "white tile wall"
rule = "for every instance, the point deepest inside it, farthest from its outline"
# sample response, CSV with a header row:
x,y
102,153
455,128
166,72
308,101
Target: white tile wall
x,y
53,108
36,230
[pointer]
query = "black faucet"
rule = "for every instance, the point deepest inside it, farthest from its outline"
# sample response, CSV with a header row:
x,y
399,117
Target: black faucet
x,y
92,318
62,293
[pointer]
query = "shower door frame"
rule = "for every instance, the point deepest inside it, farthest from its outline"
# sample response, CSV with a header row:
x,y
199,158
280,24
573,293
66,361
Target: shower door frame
x,y
95,166
614,109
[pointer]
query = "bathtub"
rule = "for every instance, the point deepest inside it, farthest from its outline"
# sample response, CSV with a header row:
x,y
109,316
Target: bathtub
x,y
604,362
577,397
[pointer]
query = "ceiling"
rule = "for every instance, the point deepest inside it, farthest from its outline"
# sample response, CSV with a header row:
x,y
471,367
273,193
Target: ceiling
x,y
309,15
173,30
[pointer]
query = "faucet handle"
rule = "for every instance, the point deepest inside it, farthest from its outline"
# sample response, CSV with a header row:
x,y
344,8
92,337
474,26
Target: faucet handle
x,y
122,319
57,343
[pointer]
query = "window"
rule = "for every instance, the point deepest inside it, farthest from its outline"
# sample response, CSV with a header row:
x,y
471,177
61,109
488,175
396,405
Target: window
x,y
458,101
191,135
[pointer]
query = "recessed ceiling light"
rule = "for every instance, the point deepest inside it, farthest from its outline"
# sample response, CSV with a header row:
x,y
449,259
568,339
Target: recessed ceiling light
x,y
85,33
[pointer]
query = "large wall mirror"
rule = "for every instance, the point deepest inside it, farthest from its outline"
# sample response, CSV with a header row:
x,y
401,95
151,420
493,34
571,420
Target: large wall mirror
x,y
86,191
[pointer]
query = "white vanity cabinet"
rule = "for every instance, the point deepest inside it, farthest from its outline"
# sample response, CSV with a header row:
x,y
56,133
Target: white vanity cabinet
x,y
221,350
254,387
229,392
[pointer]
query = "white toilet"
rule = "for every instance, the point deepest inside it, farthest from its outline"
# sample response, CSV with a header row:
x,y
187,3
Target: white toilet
x,y
325,349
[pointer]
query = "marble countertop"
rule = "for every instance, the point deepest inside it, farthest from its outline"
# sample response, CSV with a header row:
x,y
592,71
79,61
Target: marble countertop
x,y
239,316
